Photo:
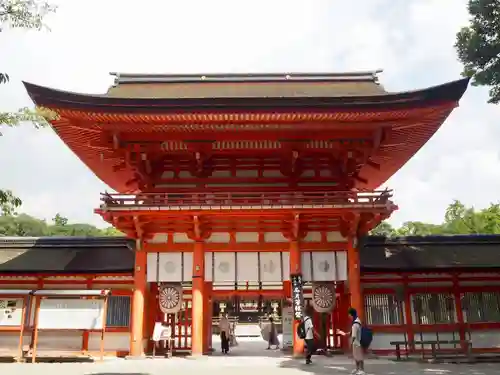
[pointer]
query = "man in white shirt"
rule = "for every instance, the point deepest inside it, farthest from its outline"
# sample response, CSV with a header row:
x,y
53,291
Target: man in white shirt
x,y
355,336
310,332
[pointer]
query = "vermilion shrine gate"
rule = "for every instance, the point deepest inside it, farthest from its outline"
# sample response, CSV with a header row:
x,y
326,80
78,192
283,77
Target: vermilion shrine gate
x,y
231,183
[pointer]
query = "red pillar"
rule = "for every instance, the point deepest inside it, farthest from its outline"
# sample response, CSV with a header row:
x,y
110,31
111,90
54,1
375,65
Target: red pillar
x,y
137,321
207,345
296,267
198,304
354,278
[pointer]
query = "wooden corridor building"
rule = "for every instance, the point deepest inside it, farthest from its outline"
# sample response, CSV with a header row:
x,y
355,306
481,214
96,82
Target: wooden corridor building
x,y
445,287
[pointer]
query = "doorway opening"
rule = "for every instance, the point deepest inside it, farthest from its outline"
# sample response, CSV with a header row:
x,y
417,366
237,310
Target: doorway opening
x,y
249,313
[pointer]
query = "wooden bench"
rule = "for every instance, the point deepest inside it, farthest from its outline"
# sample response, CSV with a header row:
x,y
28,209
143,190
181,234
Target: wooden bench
x,y
398,345
464,347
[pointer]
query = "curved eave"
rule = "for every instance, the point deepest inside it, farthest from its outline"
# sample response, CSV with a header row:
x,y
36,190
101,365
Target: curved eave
x,y
413,118
47,97
401,145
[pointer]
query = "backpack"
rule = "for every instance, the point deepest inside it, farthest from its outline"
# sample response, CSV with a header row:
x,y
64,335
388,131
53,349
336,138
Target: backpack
x,y
301,329
366,336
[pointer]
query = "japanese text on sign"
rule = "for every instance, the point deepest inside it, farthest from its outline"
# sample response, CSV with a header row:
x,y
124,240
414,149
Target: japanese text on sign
x,y
297,296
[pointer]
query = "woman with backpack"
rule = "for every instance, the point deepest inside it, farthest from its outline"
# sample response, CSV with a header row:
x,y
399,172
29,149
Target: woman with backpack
x,y
359,341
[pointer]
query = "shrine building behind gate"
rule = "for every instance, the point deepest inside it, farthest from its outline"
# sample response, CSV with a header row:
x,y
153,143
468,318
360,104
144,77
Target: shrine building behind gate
x,y
232,184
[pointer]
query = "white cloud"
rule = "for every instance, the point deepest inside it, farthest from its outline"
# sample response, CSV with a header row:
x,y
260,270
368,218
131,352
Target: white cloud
x,y
412,40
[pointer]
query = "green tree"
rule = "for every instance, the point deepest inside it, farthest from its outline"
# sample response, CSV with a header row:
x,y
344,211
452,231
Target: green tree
x,y
458,219
26,14
22,226
28,226
418,228
383,229
478,46
59,220
8,203
112,232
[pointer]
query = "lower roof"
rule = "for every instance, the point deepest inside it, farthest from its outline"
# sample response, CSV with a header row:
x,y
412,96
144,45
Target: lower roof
x,y
66,255
80,255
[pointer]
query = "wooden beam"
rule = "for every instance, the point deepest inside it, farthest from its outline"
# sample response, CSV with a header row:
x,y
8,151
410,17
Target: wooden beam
x,y
138,227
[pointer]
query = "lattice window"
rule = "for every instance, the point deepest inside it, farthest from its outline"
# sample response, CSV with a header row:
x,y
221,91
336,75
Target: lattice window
x,y
434,308
481,307
383,309
118,313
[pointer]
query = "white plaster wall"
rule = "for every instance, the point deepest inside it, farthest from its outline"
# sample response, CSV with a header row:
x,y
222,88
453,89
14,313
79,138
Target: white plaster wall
x,y
222,237
274,237
485,339
335,237
113,341
59,340
247,237
382,340
313,237
159,238
182,238
9,341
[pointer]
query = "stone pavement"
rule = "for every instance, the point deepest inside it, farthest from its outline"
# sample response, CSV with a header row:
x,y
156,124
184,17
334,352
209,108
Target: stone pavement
x,y
249,358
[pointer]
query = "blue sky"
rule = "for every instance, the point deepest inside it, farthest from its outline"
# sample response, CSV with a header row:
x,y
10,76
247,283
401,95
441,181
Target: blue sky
x,y
411,40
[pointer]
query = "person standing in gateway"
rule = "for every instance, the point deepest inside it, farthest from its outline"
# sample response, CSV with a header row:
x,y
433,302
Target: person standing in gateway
x,y
224,328
309,334
357,348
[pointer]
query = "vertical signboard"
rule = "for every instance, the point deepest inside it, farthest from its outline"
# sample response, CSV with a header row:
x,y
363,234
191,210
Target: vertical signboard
x,y
297,296
287,321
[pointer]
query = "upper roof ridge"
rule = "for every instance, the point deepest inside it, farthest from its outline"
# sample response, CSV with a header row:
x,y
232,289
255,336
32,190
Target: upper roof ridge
x,y
121,78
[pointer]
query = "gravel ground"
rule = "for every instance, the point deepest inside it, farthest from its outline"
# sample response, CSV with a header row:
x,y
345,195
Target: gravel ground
x,y
250,356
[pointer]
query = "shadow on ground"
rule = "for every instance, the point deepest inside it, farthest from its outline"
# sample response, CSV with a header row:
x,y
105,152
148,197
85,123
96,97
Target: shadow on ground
x,y
342,365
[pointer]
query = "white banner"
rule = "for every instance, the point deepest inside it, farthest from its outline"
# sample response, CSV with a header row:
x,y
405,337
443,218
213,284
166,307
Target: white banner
x,y
66,313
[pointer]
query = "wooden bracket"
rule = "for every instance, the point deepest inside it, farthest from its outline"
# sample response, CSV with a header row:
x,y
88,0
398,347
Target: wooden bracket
x,y
295,232
198,233
369,222
196,228
138,228
350,224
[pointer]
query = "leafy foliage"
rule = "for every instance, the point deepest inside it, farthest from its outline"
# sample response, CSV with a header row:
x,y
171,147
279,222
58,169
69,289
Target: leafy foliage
x,y
458,219
8,203
25,14
39,117
478,46
27,226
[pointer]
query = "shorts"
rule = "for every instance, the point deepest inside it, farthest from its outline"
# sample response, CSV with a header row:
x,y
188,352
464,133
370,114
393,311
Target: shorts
x,y
357,353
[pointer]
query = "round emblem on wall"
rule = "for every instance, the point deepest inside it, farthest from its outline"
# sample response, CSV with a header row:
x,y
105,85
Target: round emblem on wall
x,y
170,298
224,267
170,267
323,297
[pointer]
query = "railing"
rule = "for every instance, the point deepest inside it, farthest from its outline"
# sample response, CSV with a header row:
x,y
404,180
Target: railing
x,y
250,199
